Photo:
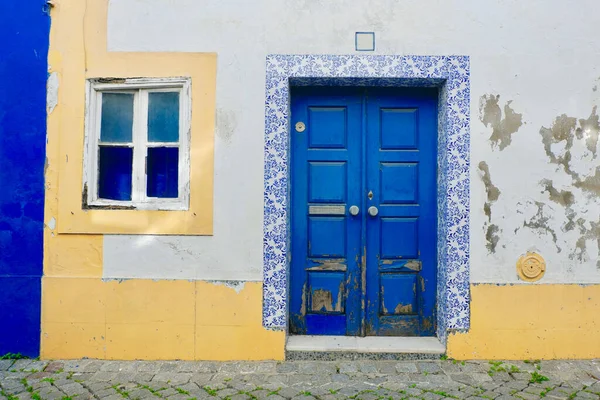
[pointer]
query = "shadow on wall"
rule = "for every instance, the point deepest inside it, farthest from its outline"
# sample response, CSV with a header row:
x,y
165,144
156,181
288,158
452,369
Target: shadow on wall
x,y
23,74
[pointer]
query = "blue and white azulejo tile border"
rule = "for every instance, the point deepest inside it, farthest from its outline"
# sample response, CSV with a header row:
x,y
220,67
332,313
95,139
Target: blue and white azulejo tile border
x,y
451,75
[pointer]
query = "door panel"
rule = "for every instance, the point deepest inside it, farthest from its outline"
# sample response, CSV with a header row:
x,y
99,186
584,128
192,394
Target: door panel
x,y
362,274
401,239
326,173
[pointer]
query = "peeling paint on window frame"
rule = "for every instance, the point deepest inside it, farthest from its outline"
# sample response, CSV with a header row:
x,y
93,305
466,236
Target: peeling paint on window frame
x,y
94,88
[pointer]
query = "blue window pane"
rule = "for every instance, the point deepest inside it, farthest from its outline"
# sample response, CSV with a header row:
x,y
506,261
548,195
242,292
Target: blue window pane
x,y
163,172
114,181
117,117
163,117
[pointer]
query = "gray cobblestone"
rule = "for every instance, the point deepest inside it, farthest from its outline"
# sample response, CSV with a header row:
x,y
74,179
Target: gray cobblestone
x,y
105,392
283,368
368,367
239,397
56,366
102,376
500,376
50,393
168,392
323,380
113,397
173,378
6,364
431,396
315,367
335,396
72,389
387,367
557,394
340,378
429,367
201,379
586,395
241,385
528,396
348,368
408,367
288,392
179,396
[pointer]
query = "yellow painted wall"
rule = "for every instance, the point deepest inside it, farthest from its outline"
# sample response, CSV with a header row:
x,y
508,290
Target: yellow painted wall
x,y
84,316
530,322
154,320
78,51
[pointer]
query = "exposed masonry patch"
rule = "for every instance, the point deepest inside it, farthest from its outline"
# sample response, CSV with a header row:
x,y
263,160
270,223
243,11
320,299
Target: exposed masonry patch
x,y
177,249
590,184
52,224
564,198
540,222
51,92
490,114
566,130
561,131
238,286
588,130
491,237
493,193
591,233
226,124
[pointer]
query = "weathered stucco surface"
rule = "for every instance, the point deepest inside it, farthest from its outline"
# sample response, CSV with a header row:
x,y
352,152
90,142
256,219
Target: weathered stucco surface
x,y
23,74
535,180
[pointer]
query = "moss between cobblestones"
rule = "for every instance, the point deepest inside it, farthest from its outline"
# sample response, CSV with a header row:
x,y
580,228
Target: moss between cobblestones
x,y
121,390
209,390
537,378
151,390
13,356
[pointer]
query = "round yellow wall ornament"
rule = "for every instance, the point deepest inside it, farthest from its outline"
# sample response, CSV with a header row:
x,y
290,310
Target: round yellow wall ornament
x,y
531,267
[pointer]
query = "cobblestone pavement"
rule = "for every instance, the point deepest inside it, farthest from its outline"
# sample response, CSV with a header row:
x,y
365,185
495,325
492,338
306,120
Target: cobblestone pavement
x,y
301,380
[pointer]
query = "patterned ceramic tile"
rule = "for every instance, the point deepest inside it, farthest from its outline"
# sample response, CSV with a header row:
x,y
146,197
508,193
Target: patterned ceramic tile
x,y
451,75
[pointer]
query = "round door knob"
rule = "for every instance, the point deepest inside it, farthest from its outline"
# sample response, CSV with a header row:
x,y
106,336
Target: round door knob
x,y
353,210
373,211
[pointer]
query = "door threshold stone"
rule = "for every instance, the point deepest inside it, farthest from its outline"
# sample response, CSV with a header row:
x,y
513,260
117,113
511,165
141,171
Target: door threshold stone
x,y
367,348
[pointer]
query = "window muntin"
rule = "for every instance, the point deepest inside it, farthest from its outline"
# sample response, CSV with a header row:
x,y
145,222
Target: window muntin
x,y
137,150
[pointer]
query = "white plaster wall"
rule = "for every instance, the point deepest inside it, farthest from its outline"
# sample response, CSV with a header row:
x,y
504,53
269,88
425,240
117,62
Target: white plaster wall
x,y
544,56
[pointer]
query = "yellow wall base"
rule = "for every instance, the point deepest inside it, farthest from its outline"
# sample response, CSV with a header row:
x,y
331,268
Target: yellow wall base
x,y
154,320
168,320
530,322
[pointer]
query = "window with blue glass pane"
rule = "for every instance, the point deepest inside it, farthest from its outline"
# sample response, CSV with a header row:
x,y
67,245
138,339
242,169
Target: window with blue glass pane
x,y
115,172
115,163
117,117
163,116
163,172
136,155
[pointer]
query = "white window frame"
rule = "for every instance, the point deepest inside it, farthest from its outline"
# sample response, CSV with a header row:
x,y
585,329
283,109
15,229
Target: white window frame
x,y
140,87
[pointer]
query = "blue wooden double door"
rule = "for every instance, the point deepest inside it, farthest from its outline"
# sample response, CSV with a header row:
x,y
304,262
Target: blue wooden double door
x,y
363,211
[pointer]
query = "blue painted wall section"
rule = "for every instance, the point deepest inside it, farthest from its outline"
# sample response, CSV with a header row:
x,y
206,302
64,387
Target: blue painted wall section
x,y
25,28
